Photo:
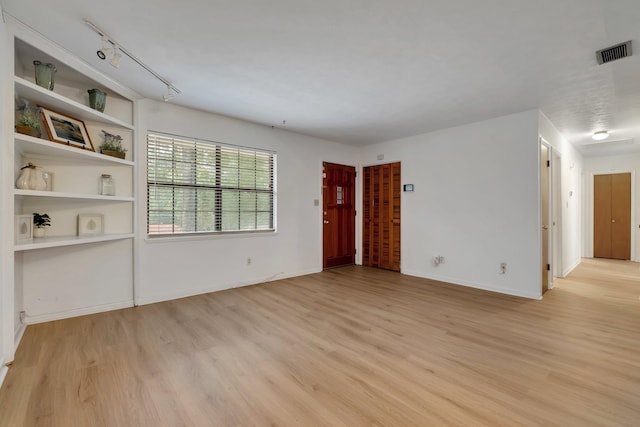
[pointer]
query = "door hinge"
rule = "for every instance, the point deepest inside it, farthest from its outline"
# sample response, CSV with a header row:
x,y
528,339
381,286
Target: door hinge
x,y
548,267
355,212
355,251
548,163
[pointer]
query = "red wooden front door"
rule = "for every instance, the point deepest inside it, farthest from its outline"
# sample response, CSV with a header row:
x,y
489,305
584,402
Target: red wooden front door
x,y
338,215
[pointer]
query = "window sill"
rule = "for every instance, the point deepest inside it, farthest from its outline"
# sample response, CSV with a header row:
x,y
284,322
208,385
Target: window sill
x,y
166,238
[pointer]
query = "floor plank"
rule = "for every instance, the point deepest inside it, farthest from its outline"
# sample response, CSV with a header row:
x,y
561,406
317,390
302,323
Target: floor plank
x,y
353,346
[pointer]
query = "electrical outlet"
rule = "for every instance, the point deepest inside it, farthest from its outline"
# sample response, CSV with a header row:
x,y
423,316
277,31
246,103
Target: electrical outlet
x,y
248,261
503,268
23,314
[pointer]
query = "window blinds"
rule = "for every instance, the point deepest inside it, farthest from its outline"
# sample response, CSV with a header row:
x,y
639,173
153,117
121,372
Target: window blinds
x,y
196,186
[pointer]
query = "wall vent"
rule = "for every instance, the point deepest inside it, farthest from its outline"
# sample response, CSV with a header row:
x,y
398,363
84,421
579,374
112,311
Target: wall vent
x,y
612,53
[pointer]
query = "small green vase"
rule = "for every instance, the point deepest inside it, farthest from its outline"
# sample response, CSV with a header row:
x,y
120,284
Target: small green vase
x,y
97,99
45,74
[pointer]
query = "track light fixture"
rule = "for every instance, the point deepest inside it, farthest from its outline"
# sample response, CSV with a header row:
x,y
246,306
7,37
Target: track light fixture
x,y
117,57
169,96
105,51
111,47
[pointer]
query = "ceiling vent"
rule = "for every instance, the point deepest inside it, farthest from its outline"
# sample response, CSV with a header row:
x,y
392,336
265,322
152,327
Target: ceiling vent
x,y
612,53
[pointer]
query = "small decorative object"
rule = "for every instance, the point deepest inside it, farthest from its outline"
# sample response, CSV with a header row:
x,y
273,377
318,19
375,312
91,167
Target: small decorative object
x,y
90,224
66,130
97,99
48,179
31,178
45,74
112,145
28,123
40,222
24,228
107,186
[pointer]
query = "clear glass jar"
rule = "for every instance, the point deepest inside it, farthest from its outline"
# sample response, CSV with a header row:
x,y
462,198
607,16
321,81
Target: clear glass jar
x,y
107,186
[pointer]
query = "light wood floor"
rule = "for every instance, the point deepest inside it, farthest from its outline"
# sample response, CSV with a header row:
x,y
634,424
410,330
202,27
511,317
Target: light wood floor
x,y
348,347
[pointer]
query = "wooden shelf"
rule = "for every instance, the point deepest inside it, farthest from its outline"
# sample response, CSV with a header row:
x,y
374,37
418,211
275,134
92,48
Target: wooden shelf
x,y
29,146
61,104
58,241
61,195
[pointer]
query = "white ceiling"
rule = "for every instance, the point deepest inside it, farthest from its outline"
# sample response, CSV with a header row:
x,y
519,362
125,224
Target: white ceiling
x,y
365,71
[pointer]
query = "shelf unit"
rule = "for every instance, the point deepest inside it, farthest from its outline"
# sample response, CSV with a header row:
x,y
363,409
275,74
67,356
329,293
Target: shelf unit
x,y
65,273
61,104
56,194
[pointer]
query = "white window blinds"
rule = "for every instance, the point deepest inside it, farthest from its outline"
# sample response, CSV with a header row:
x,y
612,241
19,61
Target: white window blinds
x,y
196,186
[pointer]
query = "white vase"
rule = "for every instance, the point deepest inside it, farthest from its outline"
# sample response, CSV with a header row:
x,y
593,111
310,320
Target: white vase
x,y
38,232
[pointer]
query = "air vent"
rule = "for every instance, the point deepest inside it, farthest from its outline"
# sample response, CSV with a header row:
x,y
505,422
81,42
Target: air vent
x,y
612,53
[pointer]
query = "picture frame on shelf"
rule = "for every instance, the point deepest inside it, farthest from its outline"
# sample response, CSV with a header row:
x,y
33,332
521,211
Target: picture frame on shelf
x,y
24,228
66,129
90,224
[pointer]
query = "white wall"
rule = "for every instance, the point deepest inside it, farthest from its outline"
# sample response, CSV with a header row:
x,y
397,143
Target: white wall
x,y
6,287
606,165
175,267
571,195
475,203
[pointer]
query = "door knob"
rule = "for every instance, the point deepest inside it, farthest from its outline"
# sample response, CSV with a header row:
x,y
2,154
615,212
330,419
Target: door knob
x,y
545,227
613,220
325,221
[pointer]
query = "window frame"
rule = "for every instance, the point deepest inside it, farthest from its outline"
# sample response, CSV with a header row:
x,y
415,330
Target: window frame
x,y
218,210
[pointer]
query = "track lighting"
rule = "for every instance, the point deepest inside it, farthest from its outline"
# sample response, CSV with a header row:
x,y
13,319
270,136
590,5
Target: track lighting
x,y
111,47
105,51
169,96
117,57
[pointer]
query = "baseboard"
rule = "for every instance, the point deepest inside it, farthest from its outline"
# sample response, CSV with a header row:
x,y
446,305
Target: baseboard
x,y
572,267
168,296
3,371
19,334
484,287
30,320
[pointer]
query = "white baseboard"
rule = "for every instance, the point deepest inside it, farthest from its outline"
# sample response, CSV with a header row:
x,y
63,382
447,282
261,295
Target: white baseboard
x,y
572,267
3,371
30,320
19,334
485,287
168,296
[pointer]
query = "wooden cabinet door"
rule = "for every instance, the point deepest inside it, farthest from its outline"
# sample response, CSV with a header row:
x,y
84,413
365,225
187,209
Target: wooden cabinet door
x,y
612,216
339,221
381,216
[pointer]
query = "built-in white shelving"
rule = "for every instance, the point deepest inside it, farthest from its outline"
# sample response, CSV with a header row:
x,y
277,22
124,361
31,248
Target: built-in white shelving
x,y
63,273
49,99
36,147
56,194
58,241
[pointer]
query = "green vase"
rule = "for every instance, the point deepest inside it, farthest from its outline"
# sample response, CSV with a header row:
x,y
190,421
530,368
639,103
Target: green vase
x,y
97,99
45,74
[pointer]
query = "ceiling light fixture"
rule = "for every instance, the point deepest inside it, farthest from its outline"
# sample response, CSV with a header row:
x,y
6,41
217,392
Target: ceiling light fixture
x,y
109,46
169,96
105,51
600,135
117,57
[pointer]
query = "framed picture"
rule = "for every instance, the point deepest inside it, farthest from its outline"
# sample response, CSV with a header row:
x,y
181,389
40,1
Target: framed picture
x,y
66,130
90,224
24,228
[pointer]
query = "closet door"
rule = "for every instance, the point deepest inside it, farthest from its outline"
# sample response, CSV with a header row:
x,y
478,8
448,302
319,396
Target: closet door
x,y
612,216
381,216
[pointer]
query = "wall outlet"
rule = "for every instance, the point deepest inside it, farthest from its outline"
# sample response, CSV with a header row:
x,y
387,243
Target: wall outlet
x,y
248,261
23,314
438,259
503,268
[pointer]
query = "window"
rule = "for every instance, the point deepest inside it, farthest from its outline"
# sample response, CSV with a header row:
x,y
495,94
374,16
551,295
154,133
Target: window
x,y
196,186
